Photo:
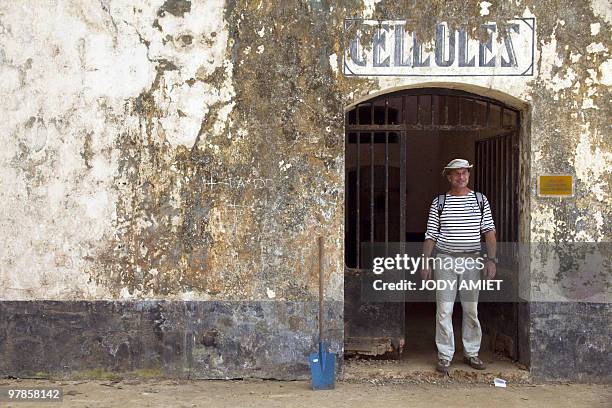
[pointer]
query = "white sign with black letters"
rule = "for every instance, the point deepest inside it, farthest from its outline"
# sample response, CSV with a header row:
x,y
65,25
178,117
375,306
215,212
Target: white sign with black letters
x,y
395,51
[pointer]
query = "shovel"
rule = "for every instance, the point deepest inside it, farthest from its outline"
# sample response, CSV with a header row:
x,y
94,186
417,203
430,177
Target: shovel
x,y
323,363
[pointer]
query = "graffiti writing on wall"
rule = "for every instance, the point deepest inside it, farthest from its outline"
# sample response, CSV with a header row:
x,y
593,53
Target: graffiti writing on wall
x,y
235,182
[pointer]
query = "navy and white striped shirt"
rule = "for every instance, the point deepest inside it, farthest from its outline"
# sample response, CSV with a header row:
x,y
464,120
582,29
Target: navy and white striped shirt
x,y
459,228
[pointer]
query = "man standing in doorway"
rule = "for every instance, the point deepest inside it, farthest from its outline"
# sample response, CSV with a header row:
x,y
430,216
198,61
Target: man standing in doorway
x,y
456,221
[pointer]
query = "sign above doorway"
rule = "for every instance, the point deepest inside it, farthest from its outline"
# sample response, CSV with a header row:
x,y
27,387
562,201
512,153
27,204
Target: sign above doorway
x,y
391,49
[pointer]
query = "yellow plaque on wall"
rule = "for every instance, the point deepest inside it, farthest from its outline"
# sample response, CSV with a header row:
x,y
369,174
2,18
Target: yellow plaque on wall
x,y
556,185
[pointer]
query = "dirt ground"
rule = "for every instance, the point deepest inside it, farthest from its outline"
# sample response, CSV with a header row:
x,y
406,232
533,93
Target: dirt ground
x,y
251,393
365,383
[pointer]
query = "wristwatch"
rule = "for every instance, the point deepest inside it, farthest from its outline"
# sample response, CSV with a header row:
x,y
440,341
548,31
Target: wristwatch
x,y
492,259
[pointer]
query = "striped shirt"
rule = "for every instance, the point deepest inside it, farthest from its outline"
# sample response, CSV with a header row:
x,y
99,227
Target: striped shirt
x,y
461,224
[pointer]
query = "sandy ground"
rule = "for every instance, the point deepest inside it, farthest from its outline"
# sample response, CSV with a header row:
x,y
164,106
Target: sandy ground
x,y
169,393
408,382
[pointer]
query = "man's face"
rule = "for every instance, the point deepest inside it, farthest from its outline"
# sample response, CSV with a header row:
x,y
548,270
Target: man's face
x,y
458,178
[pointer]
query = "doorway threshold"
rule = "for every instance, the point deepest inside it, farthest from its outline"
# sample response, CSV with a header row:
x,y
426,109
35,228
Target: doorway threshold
x,y
418,366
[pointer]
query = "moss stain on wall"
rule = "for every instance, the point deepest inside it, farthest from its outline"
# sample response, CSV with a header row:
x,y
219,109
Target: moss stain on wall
x,y
228,166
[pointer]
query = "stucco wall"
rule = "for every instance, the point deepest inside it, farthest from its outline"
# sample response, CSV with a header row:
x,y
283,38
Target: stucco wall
x,y
176,149
194,149
167,150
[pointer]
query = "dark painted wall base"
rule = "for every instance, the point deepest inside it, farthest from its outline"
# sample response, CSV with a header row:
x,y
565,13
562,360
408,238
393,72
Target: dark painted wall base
x,y
187,339
215,339
571,341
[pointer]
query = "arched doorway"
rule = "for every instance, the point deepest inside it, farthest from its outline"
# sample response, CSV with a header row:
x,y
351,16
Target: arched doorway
x,y
396,145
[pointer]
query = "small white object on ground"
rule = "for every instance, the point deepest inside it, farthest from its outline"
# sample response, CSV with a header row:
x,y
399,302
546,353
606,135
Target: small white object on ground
x,y
499,382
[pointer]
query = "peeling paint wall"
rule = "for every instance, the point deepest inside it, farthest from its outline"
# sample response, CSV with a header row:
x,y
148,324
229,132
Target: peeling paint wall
x,y
184,149
167,150
194,150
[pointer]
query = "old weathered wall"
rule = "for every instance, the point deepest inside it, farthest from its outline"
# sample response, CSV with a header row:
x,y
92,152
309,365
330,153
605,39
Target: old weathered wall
x,y
193,150
166,150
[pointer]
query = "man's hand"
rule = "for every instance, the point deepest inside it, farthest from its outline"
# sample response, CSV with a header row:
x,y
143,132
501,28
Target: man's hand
x,y
428,246
490,269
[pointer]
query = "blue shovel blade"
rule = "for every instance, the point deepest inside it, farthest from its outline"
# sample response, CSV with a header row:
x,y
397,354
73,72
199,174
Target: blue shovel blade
x,y
323,369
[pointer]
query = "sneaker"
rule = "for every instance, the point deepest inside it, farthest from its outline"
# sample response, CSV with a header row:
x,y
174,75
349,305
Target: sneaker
x,y
443,365
474,362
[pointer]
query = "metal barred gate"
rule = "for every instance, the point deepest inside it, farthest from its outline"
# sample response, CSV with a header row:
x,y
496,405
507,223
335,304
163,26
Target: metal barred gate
x,y
383,136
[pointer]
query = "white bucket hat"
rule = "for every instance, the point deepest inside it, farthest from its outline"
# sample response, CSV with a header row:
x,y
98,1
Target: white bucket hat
x,y
457,164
